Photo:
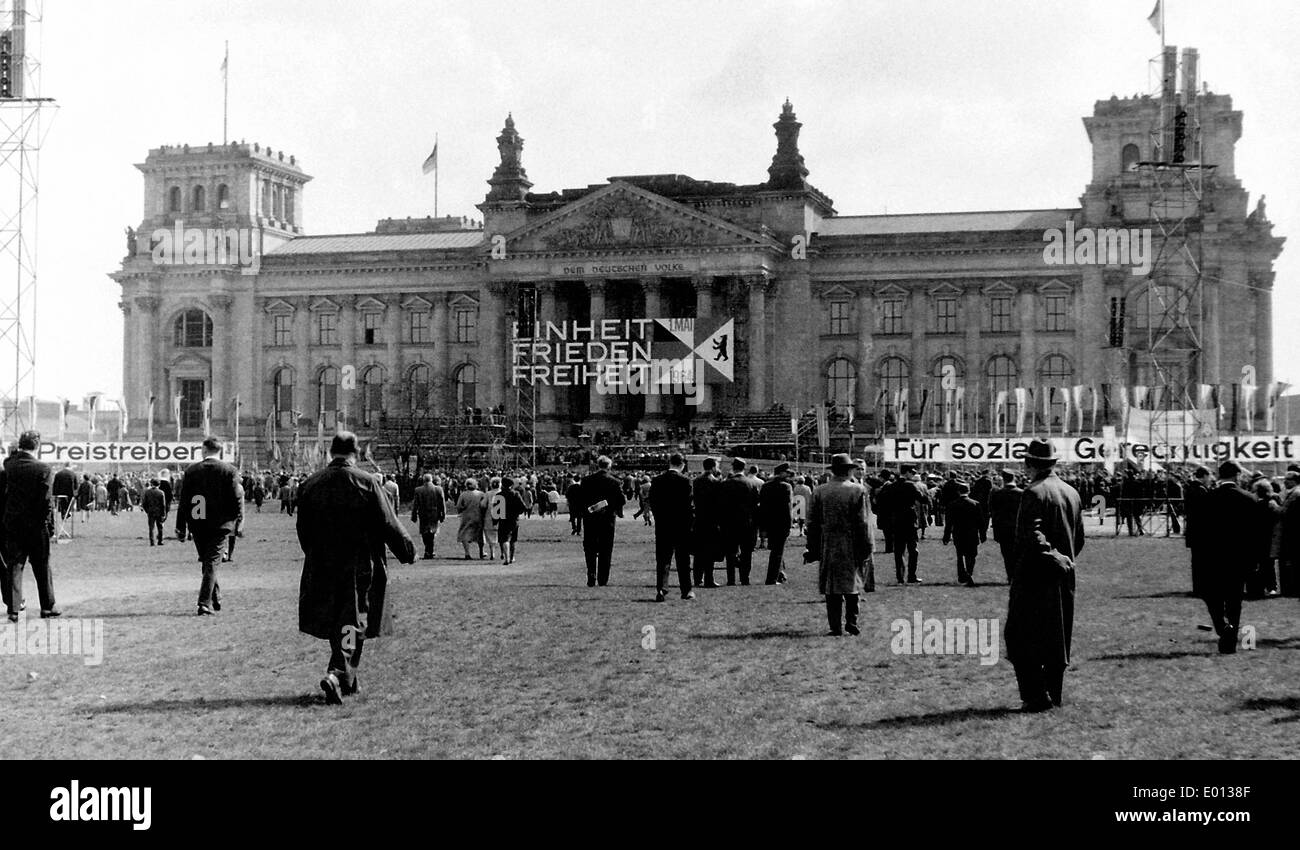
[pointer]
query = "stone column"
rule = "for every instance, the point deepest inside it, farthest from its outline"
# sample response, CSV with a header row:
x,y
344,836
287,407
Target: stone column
x,y
491,341
653,418
919,377
975,405
598,413
1263,342
440,368
393,337
149,358
222,340
1211,322
545,394
307,404
864,402
1029,360
756,285
703,285
348,342
130,393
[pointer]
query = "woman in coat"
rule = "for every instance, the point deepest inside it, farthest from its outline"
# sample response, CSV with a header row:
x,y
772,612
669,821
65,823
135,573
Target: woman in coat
x,y
470,508
839,538
493,510
1266,539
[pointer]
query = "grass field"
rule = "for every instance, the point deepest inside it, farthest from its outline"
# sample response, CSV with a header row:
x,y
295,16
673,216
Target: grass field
x,y
527,662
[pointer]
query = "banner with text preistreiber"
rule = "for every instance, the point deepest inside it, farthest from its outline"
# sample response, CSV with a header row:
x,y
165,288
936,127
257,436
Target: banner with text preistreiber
x,y
117,451
1262,448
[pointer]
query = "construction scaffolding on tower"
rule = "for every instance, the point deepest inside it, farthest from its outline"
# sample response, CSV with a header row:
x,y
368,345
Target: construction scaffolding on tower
x,y
22,130
525,431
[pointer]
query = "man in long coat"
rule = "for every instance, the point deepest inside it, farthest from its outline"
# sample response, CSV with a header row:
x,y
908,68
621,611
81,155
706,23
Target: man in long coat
x,y
602,503
1040,612
344,515
706,492
429,510
904,501
1289,556
669,500
738,521
1200,528
210,502
839,539
26,524
1234,515
963,528
1004,505
775,506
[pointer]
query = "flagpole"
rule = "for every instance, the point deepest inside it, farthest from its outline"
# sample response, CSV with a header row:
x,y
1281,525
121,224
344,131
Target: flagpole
x,y
435,178
225,95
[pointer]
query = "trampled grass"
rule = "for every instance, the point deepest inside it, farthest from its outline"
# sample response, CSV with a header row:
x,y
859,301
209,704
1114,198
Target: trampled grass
x,y
527,662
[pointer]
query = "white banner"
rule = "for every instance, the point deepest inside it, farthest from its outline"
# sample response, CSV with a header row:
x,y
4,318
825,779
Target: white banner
x,y
999,450
118,451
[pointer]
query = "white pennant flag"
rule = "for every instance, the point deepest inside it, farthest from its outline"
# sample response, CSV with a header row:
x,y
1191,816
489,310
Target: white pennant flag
x,y
124,421
1021,408
1077,391
1095,404
959,409
1000,412
1139,396
1157,395
1204,392
947,410
1248,404
1065,415
1123,408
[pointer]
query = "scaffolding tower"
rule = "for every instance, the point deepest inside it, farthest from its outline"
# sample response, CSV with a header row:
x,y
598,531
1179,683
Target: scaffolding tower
x,y
21,134
525,436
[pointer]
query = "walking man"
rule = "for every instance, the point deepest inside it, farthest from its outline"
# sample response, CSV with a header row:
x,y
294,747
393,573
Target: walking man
x,y
345,517
1004,505
775,504
209,505
739,531
1040,612
602,501
839,539
154,503
429,511
964,525
1227,567
669,498
27,523
706,533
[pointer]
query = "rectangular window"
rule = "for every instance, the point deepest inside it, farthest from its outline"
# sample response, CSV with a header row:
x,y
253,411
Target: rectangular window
x,y
945,315
192,393
891,316
417,326
1000,314
372,328
1116,323
327,329
282,329
466,321
1056,312
839,313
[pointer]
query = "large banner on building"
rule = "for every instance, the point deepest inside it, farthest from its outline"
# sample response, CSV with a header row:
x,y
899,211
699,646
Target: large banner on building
x,y
1272,448
625,356
117,451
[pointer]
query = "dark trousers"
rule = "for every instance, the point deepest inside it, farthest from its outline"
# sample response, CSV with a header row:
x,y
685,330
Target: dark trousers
x,y
209,545
598,546
156,523
776,556
1223,599
1008,547
18,551
344,661
704,570
670,546
889,537
740,556
906,544
1040,683
966,562
837,602
428,537
1134,519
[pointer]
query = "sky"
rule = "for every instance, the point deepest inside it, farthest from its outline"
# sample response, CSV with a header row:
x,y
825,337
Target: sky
x,y
922,106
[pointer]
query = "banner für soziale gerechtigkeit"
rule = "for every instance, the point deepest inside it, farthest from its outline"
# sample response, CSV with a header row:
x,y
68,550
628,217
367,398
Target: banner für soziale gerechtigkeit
x,y
1245,449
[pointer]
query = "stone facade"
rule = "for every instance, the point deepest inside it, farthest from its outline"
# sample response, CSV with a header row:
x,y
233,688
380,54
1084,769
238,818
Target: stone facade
x,y
846,309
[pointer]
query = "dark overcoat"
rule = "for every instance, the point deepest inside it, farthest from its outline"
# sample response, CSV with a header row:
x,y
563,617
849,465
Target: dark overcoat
x,y
839,537
1049,536
344,516
428,507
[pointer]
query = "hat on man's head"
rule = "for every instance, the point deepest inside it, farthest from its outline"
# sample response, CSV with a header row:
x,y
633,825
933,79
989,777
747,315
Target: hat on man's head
x,y
841,462
963,487
344,443
737,465
29,441
1229,469
1041,452
782,468
907,469
1008,476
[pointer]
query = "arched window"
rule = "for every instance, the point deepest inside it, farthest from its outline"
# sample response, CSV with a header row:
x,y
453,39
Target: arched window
x,y
328,396
1055,375
223,197
894,375
193,329
1129,157
841,381
372,395
417,382
1002,374
282,402
174,199
200,199
937,412
1158,307
467,386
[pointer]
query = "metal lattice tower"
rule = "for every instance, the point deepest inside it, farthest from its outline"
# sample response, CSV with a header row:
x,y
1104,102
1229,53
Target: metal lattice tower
x,y
21,134
525,392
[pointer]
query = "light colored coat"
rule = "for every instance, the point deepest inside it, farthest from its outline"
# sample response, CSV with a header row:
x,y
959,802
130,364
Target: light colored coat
x,y
839,537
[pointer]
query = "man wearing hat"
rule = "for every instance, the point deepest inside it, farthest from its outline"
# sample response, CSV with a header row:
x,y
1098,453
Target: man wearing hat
x,y
1040,611
1004,504
706,538
344,517
902,501
209,503
965,521
738,521
1198,528
1289,556
839,539
670,501
1234,513
775,506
